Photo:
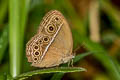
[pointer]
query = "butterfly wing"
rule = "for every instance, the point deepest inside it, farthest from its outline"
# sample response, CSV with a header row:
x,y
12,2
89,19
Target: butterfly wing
x,y
53,43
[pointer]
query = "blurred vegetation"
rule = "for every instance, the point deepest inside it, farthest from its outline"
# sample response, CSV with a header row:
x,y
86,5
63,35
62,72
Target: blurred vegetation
x,y
95,26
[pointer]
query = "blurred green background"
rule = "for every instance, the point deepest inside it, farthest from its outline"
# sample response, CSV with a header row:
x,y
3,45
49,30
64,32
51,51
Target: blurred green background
x,y
95,26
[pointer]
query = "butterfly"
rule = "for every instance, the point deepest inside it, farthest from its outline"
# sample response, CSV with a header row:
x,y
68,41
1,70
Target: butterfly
x,y
53,43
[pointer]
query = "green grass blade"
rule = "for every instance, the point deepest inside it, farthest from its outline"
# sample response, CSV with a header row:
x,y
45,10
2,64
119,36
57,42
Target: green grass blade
x,y
3,41
18,16
24,16
25,4
81,56
102,56
3,10
116,63
15,37
51,70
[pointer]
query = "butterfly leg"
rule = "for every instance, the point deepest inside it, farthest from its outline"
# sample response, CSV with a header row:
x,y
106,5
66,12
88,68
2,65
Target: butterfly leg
x,y
70,63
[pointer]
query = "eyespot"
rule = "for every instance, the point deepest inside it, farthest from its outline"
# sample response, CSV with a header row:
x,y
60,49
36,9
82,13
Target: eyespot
x,y
36,47
57,21
40,41
46,39
51,29
35,59
34,62
37,53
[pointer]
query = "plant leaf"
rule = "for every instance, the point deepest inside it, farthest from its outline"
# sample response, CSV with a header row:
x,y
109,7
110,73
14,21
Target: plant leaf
x,y
51,70
3,42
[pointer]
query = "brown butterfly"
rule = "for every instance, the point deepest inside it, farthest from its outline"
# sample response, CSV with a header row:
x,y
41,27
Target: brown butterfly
x,y
53,43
